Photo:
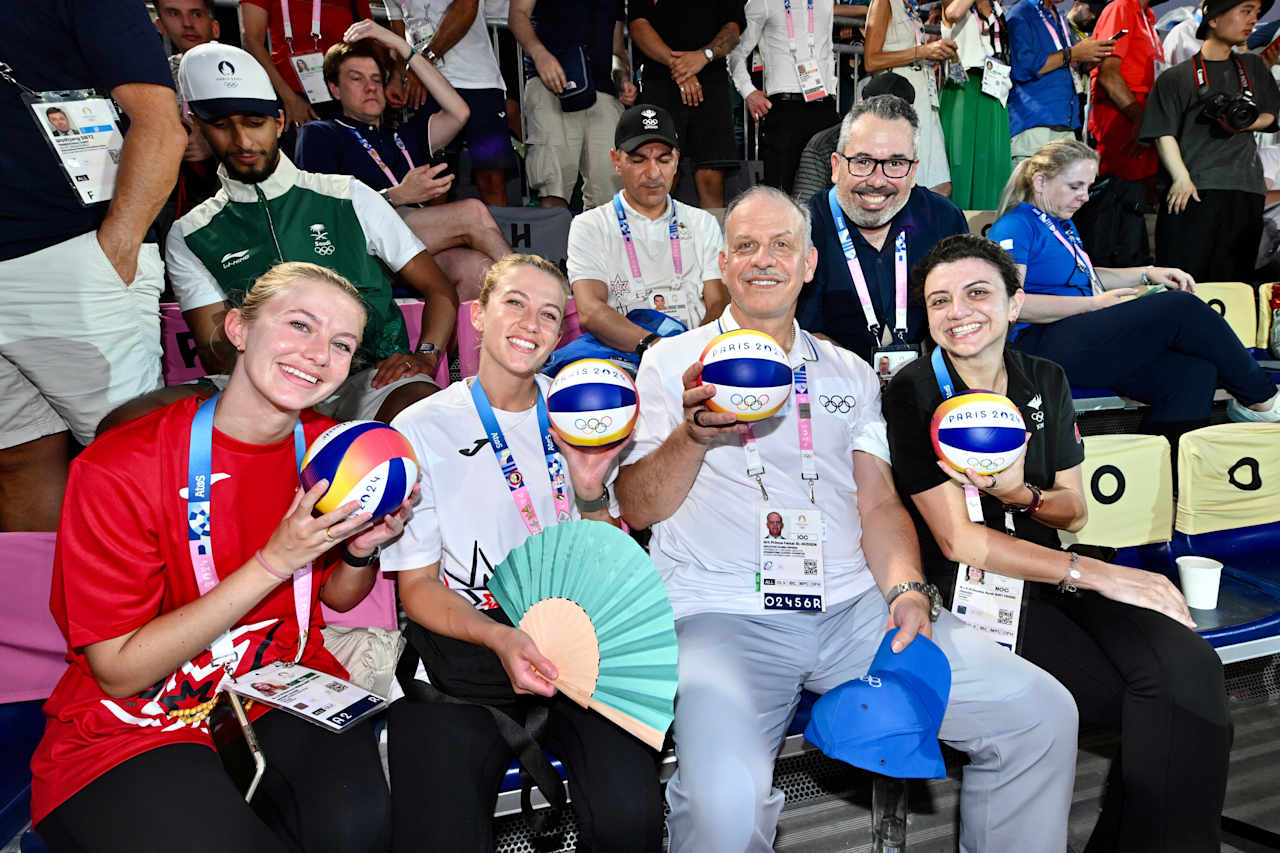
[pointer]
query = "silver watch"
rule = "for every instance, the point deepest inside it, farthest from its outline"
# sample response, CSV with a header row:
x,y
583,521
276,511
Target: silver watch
x,y
596,505
931,591
427,348
707,52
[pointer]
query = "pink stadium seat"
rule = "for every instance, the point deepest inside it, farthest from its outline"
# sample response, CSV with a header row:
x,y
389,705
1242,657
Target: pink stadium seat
x,y
378,610
31,646
412,310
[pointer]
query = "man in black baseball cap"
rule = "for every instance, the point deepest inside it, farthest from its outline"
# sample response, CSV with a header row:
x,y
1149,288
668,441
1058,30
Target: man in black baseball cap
x,y
644,123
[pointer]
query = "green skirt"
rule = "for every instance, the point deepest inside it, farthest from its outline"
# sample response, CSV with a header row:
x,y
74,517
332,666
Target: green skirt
x,y
976,127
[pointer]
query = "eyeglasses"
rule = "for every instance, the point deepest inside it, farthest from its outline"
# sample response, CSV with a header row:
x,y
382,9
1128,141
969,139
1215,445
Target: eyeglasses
x,y
862,167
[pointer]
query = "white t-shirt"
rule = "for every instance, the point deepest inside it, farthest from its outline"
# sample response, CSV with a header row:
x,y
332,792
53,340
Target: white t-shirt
x,y
467,520
707,551
597,251
469,64
1181,43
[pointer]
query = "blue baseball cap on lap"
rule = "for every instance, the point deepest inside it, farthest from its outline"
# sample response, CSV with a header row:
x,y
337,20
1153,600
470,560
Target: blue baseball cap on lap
x,y
888,720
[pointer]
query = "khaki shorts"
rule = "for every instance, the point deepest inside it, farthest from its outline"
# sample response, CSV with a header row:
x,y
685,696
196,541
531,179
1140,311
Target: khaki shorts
x,y
75,340
563,144
1031,140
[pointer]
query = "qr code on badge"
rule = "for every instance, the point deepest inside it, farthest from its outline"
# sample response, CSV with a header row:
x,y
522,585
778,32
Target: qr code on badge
x,y
336,686
1005,617
810,567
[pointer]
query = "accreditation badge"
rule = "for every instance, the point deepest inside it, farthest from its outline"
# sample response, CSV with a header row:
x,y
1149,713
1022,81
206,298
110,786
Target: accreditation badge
x,y
887,361
996,80
82,128
990,603
310,68
790,549
810,76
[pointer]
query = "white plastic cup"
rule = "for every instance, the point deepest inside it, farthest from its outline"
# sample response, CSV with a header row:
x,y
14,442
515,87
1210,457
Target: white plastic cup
x,y
1200,577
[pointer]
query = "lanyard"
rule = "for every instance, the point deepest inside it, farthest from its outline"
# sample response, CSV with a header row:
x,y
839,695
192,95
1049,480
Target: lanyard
x,y
1053,33
288,23
200,529
860,280
507,460
375,156
791,28
992,27
972,499
1072,245
673,234
913,12
1157,46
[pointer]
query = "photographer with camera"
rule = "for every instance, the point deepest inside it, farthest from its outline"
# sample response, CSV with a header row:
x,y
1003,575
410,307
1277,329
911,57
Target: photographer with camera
x,y
1202,114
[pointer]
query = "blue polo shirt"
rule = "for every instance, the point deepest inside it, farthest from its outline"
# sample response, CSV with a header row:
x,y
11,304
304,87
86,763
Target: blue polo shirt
x,y
333,148
58,45
1035,101
829,304
1051,269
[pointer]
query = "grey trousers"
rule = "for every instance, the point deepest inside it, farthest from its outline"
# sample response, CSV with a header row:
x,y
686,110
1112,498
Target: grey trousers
x,y
740,682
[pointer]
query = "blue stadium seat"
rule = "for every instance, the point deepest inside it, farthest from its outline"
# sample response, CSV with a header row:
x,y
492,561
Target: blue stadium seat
x,y
22,724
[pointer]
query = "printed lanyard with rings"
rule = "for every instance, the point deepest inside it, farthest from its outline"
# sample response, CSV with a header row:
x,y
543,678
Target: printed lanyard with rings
x,y
200,531
1054,32
507,460
972,497
375,156
1073,245
673,235
791,29
913,12
288,24
860,280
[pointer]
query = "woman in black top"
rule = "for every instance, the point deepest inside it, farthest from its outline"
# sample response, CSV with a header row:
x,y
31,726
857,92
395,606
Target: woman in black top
x,y
1119,639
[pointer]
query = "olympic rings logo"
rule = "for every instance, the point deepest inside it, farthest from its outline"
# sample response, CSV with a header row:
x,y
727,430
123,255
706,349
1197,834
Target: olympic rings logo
x,y
750,402
597,425
987,464
837,404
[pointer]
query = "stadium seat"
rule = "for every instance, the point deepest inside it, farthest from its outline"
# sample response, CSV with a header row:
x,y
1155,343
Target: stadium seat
x,y
980,221
412,310
1234,301
21,725
540,230
32,650
1265,292
1128,486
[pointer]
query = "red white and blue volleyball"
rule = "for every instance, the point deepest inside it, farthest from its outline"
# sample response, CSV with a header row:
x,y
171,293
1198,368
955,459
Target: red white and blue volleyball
x,y
981,430
363,461
593,403
750,371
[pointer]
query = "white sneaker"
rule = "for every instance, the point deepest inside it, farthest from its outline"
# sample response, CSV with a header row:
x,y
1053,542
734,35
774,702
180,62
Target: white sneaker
x,y
1244,414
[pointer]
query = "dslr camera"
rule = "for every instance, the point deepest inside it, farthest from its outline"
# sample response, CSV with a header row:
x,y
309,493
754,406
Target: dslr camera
x,y
1237,110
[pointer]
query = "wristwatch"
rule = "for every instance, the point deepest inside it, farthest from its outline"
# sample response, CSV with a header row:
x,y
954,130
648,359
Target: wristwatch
x,y
596,505
1037,501
427,348
646,342
706,51
359,562
935,597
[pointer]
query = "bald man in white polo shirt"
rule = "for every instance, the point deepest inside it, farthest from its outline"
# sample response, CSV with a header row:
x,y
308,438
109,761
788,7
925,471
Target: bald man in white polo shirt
x,y
742,666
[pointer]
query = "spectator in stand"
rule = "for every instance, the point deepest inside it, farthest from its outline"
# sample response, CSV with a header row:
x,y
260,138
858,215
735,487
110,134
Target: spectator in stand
x,y
895,40
1082,16
571,101
684,71
975,124
646,245
1170,350
1112,225
452,35
870,227
268,211
1044,104
813,175
300,33
462,235
79,329
799,79
187,23
1211,221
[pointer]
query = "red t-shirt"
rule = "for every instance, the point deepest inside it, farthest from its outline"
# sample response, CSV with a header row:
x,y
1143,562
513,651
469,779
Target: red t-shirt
x,y
335,17
122,559
1117,144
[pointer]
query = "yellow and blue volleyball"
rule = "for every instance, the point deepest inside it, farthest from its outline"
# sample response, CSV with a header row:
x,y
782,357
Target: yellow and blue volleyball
x,y
751,373
363,461
981,430
593,403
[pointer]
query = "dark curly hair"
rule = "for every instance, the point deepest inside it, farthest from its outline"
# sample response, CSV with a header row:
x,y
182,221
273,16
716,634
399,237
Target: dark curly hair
x,y
960,247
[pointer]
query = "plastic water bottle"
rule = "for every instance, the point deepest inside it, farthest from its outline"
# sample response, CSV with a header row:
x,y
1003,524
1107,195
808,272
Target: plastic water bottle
x,y
888,815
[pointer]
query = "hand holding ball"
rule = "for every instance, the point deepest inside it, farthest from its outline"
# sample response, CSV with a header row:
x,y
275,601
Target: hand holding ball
x,y
751,372
981,430
363,461
593,403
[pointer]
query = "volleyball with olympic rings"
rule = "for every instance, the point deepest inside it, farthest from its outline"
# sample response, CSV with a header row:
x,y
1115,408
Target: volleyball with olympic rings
x,y
751,373
363,461
981,430
593,403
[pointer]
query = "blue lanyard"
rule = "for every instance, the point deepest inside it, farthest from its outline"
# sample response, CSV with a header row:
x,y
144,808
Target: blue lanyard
x,y
945,385
507,460
673,235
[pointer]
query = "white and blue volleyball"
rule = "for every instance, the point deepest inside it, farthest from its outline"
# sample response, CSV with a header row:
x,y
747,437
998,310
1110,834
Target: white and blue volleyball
x,y
981,430
593,403
750,371
363,461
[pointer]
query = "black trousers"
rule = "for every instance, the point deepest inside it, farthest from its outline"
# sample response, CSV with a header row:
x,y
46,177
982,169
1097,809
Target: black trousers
x,y
785,130
447,763
1160,687
1214,239
321,793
